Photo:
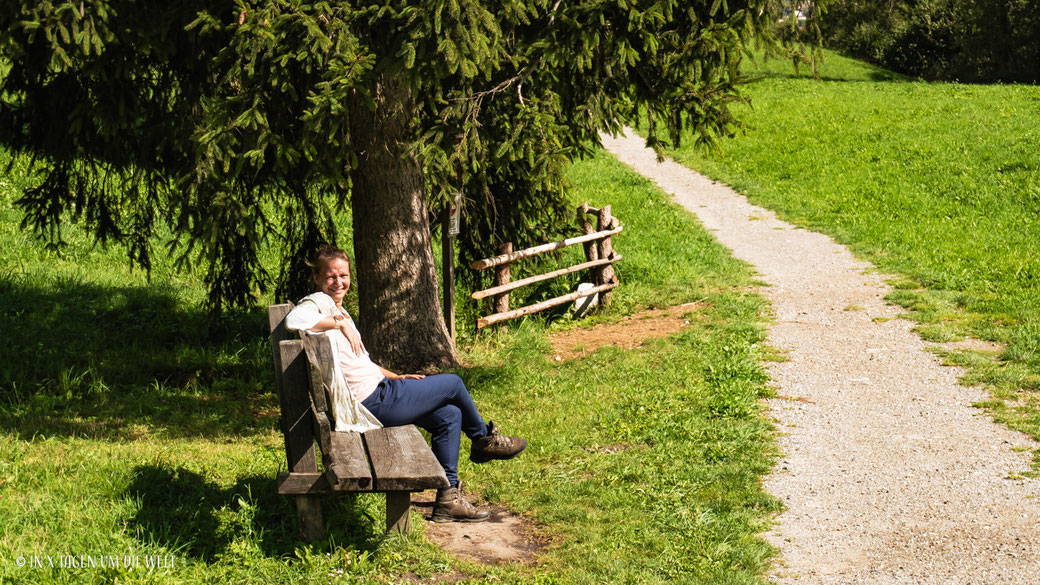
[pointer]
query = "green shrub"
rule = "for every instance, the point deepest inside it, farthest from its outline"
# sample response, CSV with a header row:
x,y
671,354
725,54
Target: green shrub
x,y
966,40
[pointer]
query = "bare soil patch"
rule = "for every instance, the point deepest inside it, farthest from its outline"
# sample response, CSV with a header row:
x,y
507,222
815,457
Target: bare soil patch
x,y
612,449
503,538
627,334
974,345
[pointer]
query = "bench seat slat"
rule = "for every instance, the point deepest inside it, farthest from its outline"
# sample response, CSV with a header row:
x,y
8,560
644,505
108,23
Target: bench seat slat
x,y
347,464
402,461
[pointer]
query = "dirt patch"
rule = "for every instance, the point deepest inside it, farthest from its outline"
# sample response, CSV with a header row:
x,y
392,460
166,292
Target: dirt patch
x,y
503,538
630,333
610,449
974,345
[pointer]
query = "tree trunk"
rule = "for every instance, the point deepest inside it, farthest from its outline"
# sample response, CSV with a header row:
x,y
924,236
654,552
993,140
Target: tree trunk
x,y
401,320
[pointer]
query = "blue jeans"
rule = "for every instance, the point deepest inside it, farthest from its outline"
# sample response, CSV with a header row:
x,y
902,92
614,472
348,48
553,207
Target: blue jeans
x,y
440,404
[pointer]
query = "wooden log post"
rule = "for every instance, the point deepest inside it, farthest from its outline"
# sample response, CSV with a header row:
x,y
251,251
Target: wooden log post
x,y
591,250
591,247
606,251
501,302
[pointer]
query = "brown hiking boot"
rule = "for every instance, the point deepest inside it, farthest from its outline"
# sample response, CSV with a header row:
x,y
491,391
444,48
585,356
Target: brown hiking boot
x,y
452,507
495,446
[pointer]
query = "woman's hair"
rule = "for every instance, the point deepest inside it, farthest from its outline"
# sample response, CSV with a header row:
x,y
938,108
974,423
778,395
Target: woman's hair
x,y
325,254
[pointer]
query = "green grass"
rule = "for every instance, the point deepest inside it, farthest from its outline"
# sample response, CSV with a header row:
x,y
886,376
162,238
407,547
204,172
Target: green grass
x,y
937,182
129,426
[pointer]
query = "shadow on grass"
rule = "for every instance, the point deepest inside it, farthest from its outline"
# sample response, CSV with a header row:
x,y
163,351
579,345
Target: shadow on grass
x,y
117,362
804,72
191,516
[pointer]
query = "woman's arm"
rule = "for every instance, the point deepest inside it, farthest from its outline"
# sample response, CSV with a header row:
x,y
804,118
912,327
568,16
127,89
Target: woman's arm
x,y
326,324
308,316
343,324
394,376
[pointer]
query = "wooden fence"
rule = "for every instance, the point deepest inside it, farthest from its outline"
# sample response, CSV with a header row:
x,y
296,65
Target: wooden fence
x,y
599,253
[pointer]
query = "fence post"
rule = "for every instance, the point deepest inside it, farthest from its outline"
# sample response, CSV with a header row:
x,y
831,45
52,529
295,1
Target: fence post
x,y
606,250
591,253
591,248
501,304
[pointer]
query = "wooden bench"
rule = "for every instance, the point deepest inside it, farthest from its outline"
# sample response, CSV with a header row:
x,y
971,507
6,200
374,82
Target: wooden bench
x,y
393,460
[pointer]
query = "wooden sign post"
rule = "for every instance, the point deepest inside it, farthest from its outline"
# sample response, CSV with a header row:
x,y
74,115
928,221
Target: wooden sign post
x,y
449,229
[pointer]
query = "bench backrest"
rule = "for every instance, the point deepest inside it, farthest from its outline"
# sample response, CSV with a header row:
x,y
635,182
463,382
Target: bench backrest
x,y
384,459
290,369
305,408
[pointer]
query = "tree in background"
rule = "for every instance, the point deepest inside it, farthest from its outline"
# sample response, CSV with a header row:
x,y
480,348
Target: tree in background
x,y
1003,39
245,123
966,40
863,27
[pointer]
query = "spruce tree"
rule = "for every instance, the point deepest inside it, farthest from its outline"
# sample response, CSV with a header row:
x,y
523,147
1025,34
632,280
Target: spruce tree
x,y
245,122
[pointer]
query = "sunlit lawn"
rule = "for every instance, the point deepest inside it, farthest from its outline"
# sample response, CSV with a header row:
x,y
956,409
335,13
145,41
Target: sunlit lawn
x,y
130,426
938,182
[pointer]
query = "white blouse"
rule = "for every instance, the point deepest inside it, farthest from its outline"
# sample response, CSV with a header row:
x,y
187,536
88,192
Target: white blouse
x,y
356,376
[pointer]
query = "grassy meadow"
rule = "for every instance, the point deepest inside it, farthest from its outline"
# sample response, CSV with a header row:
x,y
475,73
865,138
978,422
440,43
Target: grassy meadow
x,y
130,426
936,182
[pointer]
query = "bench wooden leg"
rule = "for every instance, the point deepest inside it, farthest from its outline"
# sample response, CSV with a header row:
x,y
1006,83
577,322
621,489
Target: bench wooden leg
x,y
398,507
308,513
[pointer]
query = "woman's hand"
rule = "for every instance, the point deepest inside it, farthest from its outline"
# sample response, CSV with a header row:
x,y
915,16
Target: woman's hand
x,y
411,377
352,336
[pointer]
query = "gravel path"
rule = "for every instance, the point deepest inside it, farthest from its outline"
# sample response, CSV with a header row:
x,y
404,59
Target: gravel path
x,y
888,473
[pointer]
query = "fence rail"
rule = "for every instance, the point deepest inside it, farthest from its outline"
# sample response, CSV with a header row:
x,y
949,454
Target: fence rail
x,y
599,252
541,249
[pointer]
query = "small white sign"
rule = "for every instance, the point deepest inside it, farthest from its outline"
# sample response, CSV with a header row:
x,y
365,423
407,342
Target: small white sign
x,y
453,217
585,304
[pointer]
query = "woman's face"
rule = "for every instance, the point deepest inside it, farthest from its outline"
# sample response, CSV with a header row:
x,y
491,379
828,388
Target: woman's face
x,y
333,279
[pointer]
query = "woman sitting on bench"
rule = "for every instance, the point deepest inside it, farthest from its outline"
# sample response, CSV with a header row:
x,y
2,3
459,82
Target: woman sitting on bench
x,y
440,404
